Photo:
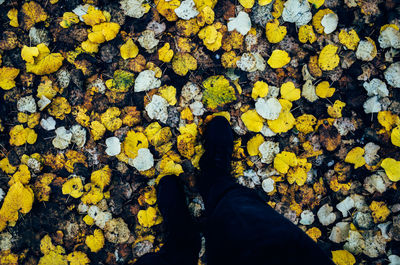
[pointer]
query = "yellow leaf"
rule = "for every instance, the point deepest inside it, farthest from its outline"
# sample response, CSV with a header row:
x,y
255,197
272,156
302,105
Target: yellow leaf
x,y
313,67
73,157
278,8
189,129
93,16
317,3
290,92
206,16
356,157
167,8
22,175
46,246
93,194
274,32
7,76
392,168
298,174
285,121
46,62
32,13
316,21
229,59
323,90
42,188
69,19
186,114
395,136
260,89
20,135
343,257
232,40
19,198
78,258
130,116
96,241
169,167
379,211
252,121
200,4
110,119
328,59
6,166
59,107
28,54
314,233
88,220
388,120
9,258
101,177
150,196
73,187
253,144
389,25
305,123
183,62
278,59
97,130
165,53
46,88
129,50
264,2
284,160
187,28
218,92
13,16
121,82
169,94
224,114
105,31
335,111
157,135
211,37
186,143
247,3
52,254
306,33
349,39
148,217
90,47
133,142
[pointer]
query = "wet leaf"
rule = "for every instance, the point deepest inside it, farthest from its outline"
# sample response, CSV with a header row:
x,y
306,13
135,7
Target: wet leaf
x,y
278,59
32,13
218,92
7,76
328,59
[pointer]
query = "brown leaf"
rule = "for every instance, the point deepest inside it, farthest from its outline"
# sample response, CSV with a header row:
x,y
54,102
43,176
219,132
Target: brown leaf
x,y
329,137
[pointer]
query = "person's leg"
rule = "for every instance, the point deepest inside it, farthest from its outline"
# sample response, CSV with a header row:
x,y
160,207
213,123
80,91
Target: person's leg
x,y
241,228
182,244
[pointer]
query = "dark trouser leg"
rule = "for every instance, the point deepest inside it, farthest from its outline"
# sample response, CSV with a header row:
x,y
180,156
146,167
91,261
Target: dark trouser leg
x,y
182,244
243,229
153,259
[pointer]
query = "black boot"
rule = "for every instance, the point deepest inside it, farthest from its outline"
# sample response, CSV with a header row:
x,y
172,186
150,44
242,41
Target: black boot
x,y
182,244
215,164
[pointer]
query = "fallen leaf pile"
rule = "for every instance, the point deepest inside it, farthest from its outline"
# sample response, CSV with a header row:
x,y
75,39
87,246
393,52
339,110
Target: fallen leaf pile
x,y
101,99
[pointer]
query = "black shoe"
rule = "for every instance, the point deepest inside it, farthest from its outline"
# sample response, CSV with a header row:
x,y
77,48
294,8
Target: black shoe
x,y
182,243
216,160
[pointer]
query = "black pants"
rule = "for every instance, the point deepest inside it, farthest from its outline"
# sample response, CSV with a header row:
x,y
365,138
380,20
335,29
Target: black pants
x,y
242,229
